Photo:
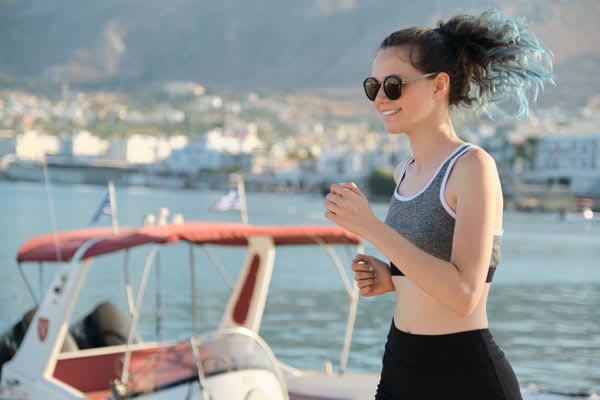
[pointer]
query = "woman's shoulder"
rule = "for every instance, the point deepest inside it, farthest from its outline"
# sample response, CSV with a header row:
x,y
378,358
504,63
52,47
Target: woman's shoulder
x,y
475,158
474,165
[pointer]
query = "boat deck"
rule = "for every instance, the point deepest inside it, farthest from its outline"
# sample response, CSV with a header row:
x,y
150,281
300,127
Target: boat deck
x,y
322,386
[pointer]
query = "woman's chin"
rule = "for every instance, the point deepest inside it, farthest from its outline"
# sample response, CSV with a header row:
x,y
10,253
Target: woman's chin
x,y
394,128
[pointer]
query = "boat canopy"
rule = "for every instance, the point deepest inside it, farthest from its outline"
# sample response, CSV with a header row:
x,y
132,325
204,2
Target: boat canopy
x,y
61,246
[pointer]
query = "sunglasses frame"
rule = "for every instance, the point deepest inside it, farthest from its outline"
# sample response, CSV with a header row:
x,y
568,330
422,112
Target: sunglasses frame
x,y
401,83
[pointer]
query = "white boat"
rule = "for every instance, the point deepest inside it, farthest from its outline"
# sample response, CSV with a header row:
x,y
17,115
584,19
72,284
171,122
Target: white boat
x,y
102,357
231,363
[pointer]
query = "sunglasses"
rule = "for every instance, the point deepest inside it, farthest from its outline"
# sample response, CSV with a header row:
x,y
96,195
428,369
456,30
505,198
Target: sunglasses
x,y
392,86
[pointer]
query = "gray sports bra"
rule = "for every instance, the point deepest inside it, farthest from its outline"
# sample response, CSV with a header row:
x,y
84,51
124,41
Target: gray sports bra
x,y
426,220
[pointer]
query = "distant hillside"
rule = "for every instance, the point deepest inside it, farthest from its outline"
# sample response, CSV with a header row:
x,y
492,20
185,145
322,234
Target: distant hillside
x,y
260,44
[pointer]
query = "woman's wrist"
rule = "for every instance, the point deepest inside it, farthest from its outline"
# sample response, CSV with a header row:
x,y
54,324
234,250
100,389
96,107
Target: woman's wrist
x,y
372,227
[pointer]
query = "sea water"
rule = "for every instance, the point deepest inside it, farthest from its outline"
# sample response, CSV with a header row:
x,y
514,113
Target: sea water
x,y
543,308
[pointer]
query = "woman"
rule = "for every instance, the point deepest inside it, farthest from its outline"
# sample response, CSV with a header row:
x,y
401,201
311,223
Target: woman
x,y
444,225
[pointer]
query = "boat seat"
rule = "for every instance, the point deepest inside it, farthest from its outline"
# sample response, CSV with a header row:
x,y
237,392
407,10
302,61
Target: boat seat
x,y
158,365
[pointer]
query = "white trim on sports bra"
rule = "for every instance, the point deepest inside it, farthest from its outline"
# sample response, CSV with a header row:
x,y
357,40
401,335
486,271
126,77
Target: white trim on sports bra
x,y
403,172
448,209
445,204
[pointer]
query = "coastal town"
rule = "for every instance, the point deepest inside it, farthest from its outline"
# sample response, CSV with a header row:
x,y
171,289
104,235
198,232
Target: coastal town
x,y
180,136
179,219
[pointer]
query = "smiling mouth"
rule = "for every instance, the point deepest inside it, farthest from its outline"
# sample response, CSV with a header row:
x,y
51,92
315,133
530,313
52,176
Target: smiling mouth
x,y
389,112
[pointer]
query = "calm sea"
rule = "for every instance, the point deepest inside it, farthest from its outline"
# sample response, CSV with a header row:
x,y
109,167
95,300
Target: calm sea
x,y
544,307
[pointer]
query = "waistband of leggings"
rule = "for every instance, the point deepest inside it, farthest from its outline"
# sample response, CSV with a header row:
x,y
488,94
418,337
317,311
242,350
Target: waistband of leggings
x,y
417,350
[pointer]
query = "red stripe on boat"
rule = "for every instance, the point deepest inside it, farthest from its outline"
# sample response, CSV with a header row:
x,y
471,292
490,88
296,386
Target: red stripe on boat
x,y
240,311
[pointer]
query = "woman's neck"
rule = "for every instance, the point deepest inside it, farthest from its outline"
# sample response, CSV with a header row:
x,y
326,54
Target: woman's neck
x,y
432,143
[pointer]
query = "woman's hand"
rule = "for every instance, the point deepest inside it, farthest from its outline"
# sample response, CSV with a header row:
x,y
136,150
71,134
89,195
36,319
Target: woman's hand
x,y
372,276
349,208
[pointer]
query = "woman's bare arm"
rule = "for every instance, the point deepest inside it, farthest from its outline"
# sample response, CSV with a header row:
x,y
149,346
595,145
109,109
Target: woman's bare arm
x,y
459,283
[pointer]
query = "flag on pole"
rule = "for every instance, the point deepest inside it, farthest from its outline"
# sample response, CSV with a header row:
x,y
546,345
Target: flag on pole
x,y
104,208
229,201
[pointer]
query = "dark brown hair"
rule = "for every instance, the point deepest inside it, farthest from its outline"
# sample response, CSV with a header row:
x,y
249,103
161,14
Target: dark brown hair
x,y
490,59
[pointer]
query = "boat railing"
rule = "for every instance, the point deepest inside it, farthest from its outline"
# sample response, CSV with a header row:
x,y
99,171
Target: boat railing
x,y
352,291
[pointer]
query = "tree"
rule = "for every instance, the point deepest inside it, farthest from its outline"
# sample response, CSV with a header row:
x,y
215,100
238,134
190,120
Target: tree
x,y
380,182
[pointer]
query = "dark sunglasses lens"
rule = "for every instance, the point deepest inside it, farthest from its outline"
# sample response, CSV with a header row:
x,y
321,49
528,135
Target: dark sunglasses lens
x,y
371,88
392,86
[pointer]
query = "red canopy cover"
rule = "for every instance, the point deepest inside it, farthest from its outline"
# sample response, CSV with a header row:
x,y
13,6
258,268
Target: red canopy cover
x,y
63,245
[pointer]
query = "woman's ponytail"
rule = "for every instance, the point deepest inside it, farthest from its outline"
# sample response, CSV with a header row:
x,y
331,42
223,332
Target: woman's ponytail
x,y
495,63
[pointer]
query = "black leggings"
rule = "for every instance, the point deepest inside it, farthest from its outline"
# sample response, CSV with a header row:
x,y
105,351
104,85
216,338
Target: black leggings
x,y
464,365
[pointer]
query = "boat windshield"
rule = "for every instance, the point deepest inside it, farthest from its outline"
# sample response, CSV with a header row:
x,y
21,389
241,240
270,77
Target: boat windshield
x,y
234,351
176,364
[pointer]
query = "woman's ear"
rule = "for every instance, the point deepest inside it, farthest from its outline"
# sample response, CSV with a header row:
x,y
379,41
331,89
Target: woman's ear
x,y
442,86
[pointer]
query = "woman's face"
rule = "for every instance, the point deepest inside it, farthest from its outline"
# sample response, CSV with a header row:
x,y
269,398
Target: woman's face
x,y
415,103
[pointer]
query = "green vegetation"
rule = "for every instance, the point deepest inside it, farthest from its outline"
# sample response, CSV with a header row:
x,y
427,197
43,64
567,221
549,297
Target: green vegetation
x,y
528,149
380,182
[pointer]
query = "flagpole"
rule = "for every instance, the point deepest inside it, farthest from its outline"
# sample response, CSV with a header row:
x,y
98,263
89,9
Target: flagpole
x,y
113,207
51,208
242,192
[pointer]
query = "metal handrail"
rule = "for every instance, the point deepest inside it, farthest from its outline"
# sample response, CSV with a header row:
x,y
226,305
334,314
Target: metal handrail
x,y
352,291
136,314
218,265
338,264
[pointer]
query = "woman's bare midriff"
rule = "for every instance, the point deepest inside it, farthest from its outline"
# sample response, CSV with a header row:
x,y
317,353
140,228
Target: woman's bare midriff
x,y
418,313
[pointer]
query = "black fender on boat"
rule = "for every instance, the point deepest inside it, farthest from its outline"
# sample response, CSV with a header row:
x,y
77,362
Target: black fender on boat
x,y
106,325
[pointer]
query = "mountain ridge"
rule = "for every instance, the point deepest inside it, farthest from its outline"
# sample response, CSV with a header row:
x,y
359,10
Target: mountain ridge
x,y
263,44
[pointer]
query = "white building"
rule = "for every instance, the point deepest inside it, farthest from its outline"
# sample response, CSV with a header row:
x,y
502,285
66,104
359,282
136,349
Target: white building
x,y
567,152
86,145
216,150
569,160
34,146
341,162
139,149
352,153
191,158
